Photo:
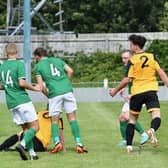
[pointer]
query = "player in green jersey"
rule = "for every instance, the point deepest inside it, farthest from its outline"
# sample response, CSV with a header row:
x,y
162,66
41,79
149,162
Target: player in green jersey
x,y
57,76
12,77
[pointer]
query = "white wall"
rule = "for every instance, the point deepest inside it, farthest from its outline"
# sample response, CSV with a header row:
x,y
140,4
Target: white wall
x,y
87,43
89,95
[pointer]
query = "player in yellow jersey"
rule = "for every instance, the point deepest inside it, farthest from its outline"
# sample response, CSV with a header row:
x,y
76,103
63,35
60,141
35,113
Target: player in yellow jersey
x,y
142,69
124,115
42,137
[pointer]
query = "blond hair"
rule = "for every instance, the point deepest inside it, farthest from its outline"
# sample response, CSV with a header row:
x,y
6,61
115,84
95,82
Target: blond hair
x,y
11,49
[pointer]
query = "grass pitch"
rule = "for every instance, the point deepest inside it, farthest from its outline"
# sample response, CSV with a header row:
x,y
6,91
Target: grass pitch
x,y
100,133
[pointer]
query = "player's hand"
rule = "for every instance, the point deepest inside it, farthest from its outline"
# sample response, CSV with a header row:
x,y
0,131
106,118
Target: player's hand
x,y
112,92
37,87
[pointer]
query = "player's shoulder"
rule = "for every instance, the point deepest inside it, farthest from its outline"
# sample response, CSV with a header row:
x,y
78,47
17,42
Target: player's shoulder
x,y
148,54
142,55
1,62
55,58
19,64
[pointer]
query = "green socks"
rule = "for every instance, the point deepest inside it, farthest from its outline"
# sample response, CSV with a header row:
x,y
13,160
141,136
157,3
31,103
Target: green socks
x,y
28,136
30,146
75,131
55,133
123,127
139,128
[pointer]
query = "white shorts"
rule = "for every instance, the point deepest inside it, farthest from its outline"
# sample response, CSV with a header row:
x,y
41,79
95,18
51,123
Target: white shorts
x,y
66,101
24,113
125,107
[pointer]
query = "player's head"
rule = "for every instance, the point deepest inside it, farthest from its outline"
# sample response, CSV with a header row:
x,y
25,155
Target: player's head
x,y
39,53
137,42
126,55
10,50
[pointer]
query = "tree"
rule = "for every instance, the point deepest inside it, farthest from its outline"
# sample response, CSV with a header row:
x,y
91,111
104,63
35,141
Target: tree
x,y
163,21
102,16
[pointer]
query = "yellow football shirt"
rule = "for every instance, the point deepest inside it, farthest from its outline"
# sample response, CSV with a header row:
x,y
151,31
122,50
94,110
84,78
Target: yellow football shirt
x,y
142,69
44,134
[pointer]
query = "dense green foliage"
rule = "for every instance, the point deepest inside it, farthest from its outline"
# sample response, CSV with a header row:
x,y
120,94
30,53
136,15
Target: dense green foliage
x,y
96,67
107,16
163,20
91,16
159,48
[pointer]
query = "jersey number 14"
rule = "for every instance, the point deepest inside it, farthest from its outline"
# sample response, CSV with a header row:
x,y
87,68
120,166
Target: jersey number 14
x,y
7,79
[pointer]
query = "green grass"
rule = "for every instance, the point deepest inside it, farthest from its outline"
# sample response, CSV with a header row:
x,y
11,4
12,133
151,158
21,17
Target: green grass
x,y
100,134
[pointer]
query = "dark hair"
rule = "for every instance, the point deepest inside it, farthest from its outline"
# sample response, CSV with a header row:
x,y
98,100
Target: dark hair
x,y
40,52
127,51
137,40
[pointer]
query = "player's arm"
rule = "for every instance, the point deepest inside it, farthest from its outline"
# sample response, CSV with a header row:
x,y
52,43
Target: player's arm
x,y
69,71
163,76
1,88
24,84
42,87
122,84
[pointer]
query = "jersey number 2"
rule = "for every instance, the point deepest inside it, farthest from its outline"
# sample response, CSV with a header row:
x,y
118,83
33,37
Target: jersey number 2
x,y
145,59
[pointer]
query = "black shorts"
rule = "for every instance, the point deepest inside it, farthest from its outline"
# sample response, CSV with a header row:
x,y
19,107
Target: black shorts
x,y
150,99
38,146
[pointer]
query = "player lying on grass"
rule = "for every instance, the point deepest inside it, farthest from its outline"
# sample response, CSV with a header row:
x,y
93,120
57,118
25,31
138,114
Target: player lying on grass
x,y
41,139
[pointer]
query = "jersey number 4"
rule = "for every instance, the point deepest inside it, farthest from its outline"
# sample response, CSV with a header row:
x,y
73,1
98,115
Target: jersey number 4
x,y
54,70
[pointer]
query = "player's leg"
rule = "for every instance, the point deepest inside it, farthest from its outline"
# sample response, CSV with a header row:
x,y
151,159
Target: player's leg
x,y
153,106
30,124
155,124
123,119
55,134
32,128
70,107
141,131
76,132
135,108
12,140
130,131
38,146
61,127
55,108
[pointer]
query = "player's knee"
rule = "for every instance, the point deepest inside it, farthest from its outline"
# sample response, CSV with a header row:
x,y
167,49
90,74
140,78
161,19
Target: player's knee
x,y
155,114
123,118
